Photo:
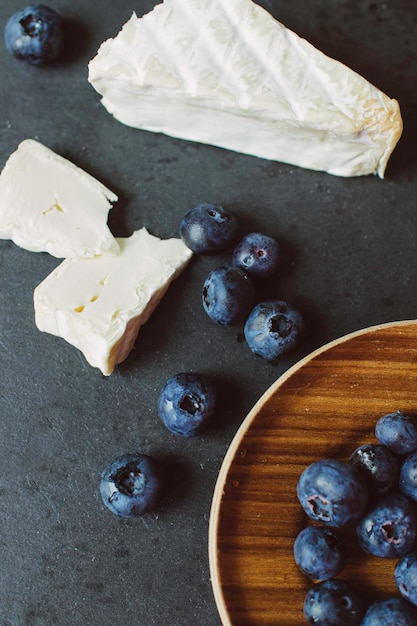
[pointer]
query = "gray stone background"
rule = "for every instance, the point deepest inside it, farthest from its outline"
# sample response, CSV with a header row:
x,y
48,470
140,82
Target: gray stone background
x,y
349,262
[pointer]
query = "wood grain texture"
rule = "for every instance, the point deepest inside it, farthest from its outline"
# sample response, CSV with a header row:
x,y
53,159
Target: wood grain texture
x,y
325,406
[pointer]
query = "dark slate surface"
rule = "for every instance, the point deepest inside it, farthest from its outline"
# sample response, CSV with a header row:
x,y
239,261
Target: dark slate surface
x,y
350,262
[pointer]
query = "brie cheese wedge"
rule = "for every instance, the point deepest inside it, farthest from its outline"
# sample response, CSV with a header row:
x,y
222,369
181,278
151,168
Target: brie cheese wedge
x,y
98,305
48,204
226,73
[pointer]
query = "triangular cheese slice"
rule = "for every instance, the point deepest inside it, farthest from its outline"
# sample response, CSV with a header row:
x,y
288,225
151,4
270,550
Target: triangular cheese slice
x,y
48,204
98,305
226,73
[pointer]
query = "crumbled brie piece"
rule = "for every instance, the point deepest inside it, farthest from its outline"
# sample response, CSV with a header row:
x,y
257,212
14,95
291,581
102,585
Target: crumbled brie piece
x,y
99,304
225,72
48,204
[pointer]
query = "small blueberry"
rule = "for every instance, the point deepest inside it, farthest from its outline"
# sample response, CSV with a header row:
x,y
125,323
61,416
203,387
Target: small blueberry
x,y
257,255
319,552
398,432
208,229
34,34
332,492
388,529
227,295
378,465
187,403
334,602
390,612
131,484
272,329
408,476
405,575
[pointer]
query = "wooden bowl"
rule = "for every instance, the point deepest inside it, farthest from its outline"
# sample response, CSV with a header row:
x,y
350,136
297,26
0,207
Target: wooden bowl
x,y
324,406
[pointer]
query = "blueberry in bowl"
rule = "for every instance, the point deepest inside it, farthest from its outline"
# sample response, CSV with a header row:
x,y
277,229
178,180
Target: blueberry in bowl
x,y
208,229
334,602
398,432
405,576
408,477
34,34
378,465
131,485
332,493
319,552
388,529
258,255
227,295
273,328
390,612
187,403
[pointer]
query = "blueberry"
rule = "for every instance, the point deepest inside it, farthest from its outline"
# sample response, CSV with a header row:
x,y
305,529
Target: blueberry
x,y
208,229
319,552
273,328
408,476
257,255
378,465
187,403
388,529
34,34
332,492
398,432
333,603
228,295
390,612
131,484
405,575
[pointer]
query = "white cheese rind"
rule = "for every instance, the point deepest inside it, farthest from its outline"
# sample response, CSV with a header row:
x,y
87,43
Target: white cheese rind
x,y
230,75
48,204
98,305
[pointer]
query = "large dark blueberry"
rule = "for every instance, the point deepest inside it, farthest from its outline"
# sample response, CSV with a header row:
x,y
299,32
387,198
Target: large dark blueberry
x,y
333,603
332,492
390,612
34,34
389,528
319,552
208,229
187,403
273,328
408,476
405,575
378,465
228,295
131,484
257,255
398,432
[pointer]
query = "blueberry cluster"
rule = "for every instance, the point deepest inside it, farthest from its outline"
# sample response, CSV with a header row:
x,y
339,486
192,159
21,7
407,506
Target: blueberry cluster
x,y
376,492
132,483
271,328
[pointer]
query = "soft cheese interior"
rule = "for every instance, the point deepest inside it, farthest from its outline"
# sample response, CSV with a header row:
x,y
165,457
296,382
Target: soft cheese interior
x,y
48,204
99,304
225,72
